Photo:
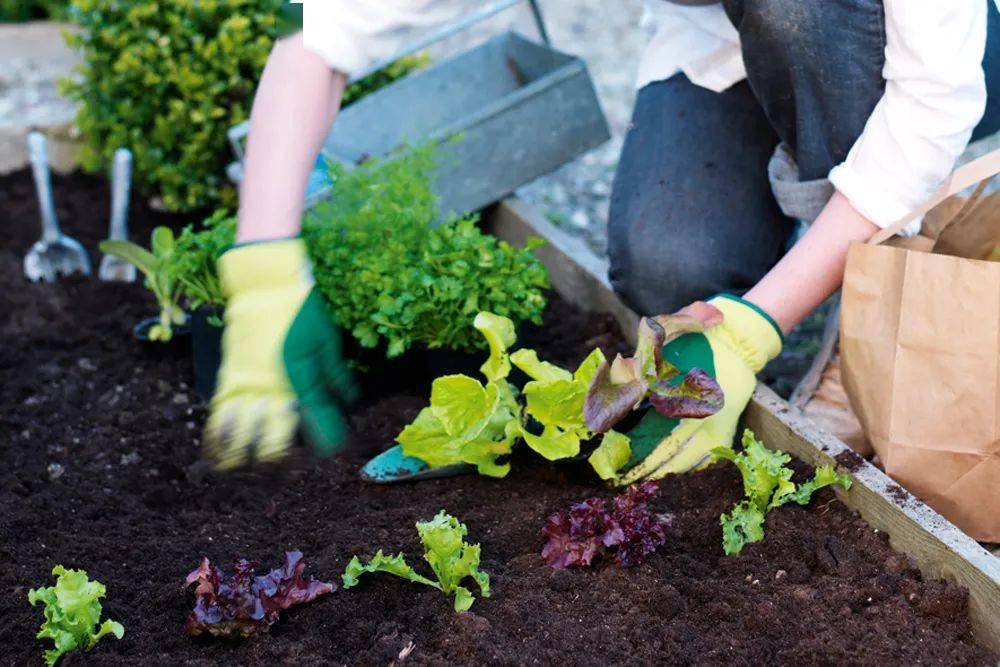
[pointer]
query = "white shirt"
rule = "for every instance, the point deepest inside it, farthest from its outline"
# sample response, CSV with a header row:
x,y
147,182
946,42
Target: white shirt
x,y
935,90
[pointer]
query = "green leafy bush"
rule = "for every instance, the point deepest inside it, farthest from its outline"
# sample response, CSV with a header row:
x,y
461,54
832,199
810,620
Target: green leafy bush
x,y
28,10
391,277
445,550
767,483
72,612
168,78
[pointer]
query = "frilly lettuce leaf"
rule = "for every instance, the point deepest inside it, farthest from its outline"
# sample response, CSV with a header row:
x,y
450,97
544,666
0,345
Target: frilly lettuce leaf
x,y
767,483
72,612
445,550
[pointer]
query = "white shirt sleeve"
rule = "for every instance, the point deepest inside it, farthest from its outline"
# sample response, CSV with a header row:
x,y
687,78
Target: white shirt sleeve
x,y
935,94
351,35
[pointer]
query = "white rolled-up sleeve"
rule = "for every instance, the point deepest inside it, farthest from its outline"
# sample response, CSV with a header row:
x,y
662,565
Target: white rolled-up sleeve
x,y
352,35
935,94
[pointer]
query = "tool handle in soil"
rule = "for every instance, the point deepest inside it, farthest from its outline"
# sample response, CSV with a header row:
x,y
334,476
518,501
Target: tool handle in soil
x,y
121,187
38,155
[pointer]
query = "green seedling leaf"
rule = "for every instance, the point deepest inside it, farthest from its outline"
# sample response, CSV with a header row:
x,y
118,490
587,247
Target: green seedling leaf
x,y
394,565
499,334
527,361
72,613
554,443
132,253
609,457
451,559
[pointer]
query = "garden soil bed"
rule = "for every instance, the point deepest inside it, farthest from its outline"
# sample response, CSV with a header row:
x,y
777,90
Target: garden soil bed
x,y
100,449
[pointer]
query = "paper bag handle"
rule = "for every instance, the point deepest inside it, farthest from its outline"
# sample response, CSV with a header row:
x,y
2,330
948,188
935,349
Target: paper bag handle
x,y
969,174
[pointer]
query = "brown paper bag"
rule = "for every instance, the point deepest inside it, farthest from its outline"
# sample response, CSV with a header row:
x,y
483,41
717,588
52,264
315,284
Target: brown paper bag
x,y
920,352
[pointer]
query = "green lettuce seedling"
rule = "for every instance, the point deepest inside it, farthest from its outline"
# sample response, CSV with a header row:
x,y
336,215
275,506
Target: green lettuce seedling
x,y
160,279
767,483
449,556
72,612
477,423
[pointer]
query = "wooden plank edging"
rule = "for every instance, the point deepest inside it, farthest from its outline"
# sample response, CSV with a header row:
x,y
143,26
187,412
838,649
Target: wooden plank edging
x,y
937,546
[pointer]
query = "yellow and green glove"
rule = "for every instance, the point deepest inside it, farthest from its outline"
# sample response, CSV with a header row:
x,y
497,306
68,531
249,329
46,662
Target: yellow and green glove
x,y
732,352
281,359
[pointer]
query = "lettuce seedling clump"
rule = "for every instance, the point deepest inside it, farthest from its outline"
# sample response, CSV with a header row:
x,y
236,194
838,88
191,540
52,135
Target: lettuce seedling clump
x,y
445,550
767,483
192,264
478,423
161,279
72,613
625,531
622,385
246,604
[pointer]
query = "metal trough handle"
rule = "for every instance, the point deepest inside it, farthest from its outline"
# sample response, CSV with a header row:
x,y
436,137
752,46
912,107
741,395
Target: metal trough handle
x,y
238,132
457,26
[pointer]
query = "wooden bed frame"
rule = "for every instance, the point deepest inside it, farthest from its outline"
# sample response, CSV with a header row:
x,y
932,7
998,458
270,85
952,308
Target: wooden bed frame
x,y
939,549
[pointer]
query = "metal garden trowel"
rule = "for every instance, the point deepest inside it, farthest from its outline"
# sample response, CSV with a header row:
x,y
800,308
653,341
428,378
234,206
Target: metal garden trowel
x,y
55,253
114,268
393,465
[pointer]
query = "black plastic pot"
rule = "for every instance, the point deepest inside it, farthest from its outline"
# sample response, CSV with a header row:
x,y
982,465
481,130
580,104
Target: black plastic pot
x,y
206,349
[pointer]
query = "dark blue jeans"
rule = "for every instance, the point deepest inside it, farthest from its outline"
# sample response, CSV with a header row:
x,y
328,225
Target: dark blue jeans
x,y
692,213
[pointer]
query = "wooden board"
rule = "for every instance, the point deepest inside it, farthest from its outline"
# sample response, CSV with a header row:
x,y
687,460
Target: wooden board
x,y
939,549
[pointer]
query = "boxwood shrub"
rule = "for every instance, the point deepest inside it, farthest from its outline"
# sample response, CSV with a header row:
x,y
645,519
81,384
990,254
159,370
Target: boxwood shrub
x,y
28,10
168,78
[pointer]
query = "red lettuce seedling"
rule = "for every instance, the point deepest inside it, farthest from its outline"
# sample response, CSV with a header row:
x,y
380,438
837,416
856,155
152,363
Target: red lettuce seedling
x,y
627,531
620,386
246,604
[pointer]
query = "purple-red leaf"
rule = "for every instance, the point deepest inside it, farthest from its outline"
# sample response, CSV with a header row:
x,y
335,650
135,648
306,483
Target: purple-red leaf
x,y
608,401
245,604
626,531
697,396
619,387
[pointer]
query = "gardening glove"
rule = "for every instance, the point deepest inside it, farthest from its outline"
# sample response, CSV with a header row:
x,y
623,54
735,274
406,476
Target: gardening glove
x,y
732,352
281,359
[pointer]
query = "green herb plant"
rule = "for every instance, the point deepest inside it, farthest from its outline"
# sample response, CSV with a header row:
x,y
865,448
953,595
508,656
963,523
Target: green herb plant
x,y
478,423
72,613
160,279
445,550
394,279
767,483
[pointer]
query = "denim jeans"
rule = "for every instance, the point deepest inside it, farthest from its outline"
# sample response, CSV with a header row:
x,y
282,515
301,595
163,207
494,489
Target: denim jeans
x,y
692,211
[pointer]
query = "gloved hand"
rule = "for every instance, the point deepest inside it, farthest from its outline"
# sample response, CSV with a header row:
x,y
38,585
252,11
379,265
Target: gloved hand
x,y
281,359
732,352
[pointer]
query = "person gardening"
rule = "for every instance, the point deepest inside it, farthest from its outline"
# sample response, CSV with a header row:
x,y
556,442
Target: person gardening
x,y
750,114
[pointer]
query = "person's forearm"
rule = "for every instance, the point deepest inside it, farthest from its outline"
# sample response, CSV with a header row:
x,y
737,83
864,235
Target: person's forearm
x,y
814,268
295,105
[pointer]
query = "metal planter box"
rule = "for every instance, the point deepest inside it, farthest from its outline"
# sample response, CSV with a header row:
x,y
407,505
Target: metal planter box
x,y
521,110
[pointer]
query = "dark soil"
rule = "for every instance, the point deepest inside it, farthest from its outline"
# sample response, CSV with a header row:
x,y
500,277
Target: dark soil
x,y
100,443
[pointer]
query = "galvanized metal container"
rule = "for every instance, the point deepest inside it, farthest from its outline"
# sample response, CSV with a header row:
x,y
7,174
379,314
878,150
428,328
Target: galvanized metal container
x,y
521,110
